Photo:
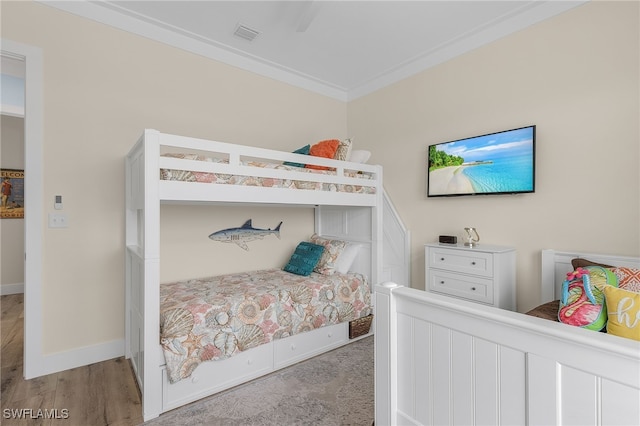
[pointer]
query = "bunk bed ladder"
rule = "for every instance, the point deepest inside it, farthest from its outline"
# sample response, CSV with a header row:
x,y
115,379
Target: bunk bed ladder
x,y
366,225
396,246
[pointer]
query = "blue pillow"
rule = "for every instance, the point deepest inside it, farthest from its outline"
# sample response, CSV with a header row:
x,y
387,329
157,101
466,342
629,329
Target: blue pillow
x,y
304,150
304,258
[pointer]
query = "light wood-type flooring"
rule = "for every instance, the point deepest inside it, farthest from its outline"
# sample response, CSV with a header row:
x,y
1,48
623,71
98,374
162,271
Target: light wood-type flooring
x,y
104,393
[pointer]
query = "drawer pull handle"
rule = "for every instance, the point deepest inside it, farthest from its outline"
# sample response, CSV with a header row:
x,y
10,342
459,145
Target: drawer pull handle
x,y
473,263
249,361
442,259
293,347
441,282
473,288
329,335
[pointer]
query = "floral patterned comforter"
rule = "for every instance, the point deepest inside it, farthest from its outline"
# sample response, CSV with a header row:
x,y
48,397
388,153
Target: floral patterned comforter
x,y
215,318
221,178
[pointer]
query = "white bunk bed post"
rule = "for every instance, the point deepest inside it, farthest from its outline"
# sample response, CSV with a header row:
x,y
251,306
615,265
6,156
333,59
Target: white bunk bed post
x,y
134,199
143,270
152,395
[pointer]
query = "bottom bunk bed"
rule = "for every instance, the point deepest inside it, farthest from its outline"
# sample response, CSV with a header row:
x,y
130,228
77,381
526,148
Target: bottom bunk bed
x,y
216,318
441,360
245,325
348,198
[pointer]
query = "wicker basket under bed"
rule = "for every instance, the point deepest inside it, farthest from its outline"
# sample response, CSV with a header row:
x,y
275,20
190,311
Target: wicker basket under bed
x,y
360,326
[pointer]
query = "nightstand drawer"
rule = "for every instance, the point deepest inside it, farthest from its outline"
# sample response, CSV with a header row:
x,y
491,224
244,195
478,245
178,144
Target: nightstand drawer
x,y
467,287
462,261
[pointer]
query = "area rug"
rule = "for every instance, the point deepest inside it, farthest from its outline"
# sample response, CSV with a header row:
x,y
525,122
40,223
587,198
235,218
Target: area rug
x,y
335,388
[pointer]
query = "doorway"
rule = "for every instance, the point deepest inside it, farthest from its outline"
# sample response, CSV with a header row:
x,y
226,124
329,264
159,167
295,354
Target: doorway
x,y
11,168
31,58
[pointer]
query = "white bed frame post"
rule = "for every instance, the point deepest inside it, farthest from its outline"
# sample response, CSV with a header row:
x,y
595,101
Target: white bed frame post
x,y
385,356
153,381
143,266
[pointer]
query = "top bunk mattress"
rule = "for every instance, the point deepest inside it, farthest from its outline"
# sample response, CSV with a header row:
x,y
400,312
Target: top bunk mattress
x,y
265,181
217,317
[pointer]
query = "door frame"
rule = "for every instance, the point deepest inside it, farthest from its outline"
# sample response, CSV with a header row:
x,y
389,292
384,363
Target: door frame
x,y
33,361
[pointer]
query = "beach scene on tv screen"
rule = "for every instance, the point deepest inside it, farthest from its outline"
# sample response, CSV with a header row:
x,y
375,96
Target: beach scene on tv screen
x,y
499,162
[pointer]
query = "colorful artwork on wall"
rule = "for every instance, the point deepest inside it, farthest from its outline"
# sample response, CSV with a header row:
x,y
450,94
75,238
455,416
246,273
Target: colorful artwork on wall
x,y
12,193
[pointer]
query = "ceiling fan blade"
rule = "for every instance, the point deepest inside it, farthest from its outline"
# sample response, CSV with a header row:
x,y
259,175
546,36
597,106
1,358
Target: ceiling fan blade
x,y
309,13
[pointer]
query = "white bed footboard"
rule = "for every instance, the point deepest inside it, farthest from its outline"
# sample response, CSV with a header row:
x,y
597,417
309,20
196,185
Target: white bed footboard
x,y
446,361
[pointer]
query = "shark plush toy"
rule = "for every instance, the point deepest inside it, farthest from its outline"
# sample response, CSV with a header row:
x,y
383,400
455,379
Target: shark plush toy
x,y
244,234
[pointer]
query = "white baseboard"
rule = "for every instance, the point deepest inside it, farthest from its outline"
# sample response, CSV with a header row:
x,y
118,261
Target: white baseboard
x,y
11,289
80,357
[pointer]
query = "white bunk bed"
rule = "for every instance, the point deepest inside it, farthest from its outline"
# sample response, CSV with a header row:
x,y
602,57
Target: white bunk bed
x,y
350,216
441,360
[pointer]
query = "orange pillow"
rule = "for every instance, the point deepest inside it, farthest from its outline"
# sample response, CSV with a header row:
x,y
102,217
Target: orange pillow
x,y
325,149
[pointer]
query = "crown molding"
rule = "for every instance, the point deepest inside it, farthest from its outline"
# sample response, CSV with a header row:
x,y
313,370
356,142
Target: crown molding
x,y
100,12
508,24
110,14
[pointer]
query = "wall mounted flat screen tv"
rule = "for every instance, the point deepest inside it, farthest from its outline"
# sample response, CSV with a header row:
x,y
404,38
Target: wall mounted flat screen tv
x,y
496,163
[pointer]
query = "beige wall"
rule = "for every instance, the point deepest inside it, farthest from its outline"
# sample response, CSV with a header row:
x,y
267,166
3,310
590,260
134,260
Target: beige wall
x,y
576,77
187,252
102,87
12,230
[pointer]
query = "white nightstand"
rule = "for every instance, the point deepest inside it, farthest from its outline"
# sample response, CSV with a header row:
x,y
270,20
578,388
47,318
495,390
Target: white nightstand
x,y
484,273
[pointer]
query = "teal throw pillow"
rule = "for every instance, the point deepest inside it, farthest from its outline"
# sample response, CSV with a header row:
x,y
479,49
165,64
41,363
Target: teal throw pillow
x,y
304,150
304,258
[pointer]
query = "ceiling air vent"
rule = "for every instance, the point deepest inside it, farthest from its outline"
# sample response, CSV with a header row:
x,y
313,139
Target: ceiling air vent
x,y
245,32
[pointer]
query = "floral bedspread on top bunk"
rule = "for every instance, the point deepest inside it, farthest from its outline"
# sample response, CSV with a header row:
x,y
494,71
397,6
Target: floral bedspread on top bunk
x,y
217,317
223,178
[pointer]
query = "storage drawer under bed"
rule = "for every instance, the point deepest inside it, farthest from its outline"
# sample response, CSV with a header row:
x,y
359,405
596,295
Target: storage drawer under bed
x,y
215,376
302,346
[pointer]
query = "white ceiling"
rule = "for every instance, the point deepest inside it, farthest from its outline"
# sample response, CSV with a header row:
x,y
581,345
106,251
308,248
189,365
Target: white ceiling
x,y
343,49
12,86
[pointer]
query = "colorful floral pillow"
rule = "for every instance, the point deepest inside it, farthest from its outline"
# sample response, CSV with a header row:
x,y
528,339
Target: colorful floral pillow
x,y
332,251
344,150
623,307
628,278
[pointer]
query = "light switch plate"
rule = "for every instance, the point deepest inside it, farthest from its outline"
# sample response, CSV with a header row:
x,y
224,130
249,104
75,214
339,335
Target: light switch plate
x,y
58,220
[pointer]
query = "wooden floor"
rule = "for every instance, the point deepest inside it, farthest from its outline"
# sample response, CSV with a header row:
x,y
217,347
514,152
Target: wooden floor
x,y
104,393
